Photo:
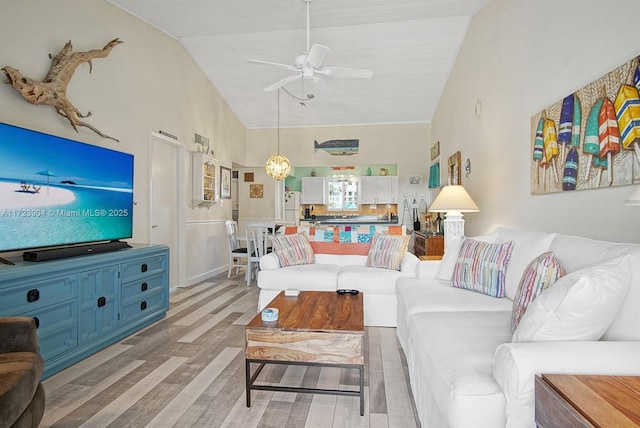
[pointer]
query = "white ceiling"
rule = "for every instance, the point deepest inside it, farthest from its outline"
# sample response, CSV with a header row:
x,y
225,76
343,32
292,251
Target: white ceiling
x,y
410,45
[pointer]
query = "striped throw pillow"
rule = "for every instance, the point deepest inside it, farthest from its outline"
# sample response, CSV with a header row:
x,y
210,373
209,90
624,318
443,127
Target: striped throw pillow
x,y
482,267
387,251
543,271
293,250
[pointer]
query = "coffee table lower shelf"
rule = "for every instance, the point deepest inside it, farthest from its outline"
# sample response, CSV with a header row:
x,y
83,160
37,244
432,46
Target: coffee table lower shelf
x,y
251,379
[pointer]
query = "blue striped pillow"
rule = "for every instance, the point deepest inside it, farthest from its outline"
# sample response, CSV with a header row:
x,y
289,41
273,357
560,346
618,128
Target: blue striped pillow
x,y
482,266
387,251
294,249
543,271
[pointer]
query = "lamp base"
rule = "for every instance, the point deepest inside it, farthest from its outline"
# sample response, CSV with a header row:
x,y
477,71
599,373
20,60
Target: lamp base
x,y
453,227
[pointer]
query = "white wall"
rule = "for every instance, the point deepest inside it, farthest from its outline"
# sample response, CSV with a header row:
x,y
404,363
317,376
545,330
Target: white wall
x,y
518,57
405,144
149,83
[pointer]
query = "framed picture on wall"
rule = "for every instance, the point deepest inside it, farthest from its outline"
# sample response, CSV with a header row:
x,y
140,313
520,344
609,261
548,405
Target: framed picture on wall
x,y
435,150
256,191
225,183
455,175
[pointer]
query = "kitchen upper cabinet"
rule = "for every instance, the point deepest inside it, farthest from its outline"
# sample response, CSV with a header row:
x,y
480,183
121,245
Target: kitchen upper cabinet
x,y
314,190
378,190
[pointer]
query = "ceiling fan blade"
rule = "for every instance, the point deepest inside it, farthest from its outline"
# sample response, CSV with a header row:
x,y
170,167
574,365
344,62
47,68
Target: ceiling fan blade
x,y
283,82
260,62
359,73
316,56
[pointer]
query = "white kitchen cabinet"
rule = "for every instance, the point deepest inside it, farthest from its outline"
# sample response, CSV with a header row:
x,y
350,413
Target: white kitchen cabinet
x,y
314,190
382,189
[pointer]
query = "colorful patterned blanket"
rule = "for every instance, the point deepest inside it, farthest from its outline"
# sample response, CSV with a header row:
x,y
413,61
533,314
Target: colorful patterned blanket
x,y
345,239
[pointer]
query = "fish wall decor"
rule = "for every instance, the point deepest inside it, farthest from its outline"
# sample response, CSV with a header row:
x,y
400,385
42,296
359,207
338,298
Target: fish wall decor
x,y
337,147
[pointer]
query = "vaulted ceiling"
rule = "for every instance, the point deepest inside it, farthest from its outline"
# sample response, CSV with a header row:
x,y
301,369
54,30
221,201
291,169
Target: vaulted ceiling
x,y
410,45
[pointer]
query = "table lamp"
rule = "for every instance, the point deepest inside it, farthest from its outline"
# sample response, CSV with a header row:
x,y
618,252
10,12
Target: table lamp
x,y
453,200
634,199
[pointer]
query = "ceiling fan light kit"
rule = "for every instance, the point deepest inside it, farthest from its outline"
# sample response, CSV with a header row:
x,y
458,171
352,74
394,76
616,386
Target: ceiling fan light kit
x,y
309,65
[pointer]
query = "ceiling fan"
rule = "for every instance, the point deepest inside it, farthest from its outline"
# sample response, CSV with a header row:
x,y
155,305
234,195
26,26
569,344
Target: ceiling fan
x,y
309,65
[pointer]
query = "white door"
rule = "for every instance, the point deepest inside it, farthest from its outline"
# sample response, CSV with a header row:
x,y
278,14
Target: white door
x,y
167,209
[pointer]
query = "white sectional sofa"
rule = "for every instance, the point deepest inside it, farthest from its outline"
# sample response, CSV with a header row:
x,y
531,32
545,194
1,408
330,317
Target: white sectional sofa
x,y
331,272
466,370
340,262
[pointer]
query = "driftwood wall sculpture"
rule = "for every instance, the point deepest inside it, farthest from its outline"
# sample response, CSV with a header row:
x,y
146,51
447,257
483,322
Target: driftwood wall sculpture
x,y
53,89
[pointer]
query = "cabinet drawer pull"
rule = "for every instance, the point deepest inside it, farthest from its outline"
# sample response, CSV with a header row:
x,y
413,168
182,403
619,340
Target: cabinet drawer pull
x,y
33,295
143,306
144,286
37,320
144,267
102,301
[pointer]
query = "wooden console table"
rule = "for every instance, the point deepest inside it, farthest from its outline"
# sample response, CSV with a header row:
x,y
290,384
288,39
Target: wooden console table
x,y
587,401
427,246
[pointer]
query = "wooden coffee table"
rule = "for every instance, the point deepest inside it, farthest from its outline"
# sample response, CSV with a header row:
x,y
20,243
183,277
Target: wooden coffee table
x,y
316,328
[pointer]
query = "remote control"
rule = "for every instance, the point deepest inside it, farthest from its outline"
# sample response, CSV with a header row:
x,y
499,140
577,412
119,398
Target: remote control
x,y
346,291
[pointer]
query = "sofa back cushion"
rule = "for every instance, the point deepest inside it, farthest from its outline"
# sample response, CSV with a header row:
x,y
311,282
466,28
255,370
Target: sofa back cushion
x,y
577,253
341,259
579,306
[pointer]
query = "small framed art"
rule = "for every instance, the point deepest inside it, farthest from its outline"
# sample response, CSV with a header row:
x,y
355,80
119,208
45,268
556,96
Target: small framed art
x,y
435,150
455,175
225,183
255,190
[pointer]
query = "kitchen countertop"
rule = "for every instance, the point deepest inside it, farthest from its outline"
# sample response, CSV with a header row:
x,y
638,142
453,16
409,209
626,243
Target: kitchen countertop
x,y
337,220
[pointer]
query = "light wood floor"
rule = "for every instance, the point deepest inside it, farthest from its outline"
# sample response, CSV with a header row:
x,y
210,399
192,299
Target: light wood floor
x,y
188,371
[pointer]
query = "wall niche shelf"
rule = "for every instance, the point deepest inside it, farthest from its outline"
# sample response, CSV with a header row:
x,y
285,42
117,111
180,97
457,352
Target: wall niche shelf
x,y
204,179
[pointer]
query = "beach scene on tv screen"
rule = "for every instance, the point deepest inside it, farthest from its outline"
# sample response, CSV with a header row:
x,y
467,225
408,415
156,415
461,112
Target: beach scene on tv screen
x,y
55,191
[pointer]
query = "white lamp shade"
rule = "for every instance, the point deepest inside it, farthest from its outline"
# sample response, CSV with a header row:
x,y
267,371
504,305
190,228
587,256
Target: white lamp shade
x,y
453,198
634,199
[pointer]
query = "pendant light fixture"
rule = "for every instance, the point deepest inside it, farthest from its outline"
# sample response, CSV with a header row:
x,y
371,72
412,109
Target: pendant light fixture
x,y
277,165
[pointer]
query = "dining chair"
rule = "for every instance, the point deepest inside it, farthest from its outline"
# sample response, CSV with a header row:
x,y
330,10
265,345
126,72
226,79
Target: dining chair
x,y
238,254
258,237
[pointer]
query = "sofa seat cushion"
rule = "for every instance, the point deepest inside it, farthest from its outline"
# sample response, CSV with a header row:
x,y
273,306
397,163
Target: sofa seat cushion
x,y
370,279
312,277
20,374
456,352
424,295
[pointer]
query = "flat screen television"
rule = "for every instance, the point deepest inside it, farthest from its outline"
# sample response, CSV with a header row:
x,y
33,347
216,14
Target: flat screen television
x,y
59,192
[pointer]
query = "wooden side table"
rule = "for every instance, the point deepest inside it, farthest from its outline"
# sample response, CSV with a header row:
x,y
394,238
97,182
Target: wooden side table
x,y
427,245
587,401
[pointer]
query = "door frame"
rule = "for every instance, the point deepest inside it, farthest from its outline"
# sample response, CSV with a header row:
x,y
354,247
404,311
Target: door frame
x,y
180,204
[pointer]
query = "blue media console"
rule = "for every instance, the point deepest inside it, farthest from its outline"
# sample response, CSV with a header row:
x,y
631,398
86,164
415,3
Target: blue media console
x,y
84,304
